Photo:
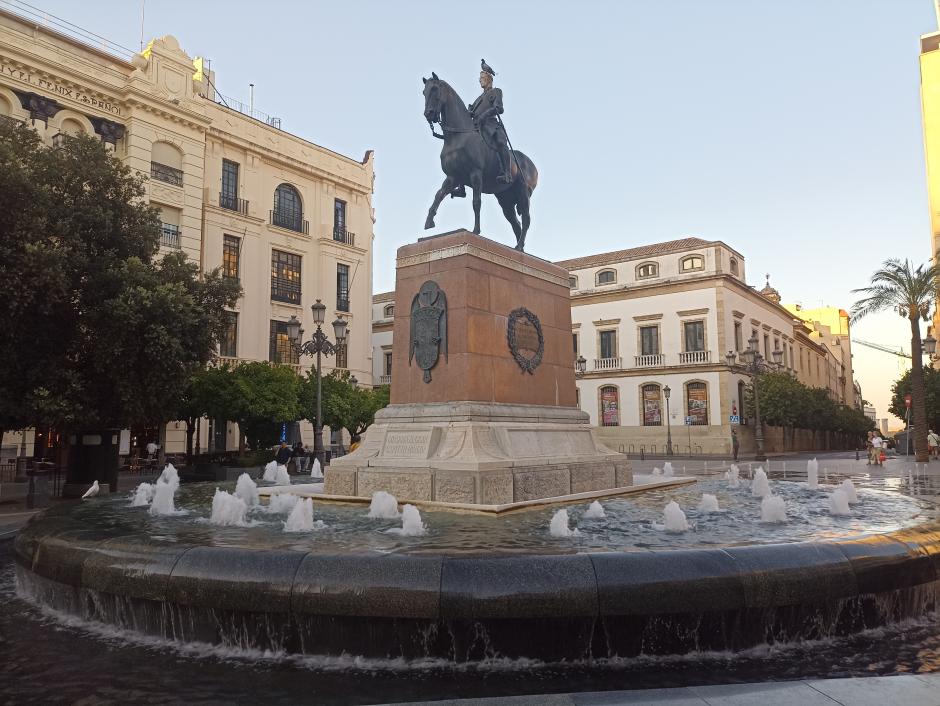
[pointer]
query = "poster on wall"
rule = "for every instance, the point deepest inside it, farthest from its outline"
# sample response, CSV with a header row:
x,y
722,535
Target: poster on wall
x,y
698,403
652,407
610,407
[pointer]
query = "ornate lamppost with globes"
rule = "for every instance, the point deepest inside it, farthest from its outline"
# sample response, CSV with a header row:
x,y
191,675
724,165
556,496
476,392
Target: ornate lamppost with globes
x,y
666,393
318,345
754,363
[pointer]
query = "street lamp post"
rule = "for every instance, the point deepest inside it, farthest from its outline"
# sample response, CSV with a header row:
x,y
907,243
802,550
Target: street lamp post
x,y
755,364
666,392
318,345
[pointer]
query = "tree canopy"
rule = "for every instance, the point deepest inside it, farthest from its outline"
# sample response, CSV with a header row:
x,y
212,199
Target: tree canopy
x,y
344,406
96,330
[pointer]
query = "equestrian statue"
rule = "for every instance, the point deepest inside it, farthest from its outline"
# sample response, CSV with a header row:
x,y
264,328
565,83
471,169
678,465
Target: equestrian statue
x,y
477,152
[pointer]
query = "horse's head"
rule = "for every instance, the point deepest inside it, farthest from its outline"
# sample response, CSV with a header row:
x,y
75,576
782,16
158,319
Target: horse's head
x,y
433,98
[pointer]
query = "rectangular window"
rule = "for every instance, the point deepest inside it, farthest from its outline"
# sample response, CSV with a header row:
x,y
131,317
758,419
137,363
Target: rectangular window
x,y
694,336
608,344
388,362
339,220
341,361
574,340
738,341
280,349
228,197
285,277
231,249
228,346
649,340
342,288
766,347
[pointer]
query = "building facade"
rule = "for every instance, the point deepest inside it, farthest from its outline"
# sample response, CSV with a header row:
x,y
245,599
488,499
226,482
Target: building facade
x,y
383,315
289,219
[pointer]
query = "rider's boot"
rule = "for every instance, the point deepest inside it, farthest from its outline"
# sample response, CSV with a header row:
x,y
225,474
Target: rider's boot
x,y
505,164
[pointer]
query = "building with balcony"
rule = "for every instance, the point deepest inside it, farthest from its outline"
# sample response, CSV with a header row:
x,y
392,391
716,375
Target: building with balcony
x,y
383,316
290,219
658,322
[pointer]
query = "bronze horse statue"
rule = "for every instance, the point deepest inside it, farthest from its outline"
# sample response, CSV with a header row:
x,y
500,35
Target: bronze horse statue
x,y
467,160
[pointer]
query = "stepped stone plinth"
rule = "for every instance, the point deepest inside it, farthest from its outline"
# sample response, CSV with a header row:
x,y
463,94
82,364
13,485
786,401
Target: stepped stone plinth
x,y
483,400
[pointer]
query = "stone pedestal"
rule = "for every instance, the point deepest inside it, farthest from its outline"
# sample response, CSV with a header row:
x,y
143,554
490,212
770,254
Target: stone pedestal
x,y
498,420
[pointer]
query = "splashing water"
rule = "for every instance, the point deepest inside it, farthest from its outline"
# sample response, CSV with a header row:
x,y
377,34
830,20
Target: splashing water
x,y
839,503
300,518
281,502
558,527
227,509
270,471
383,506
162,503
733,476
667,469
709,503
848,487
282,477
142,495
247,490
657,471
170,476
760,486
595,511
315,470
411,524
812,474
674,519
773,509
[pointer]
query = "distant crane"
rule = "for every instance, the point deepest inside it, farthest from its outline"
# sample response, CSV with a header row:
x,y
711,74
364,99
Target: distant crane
x,y
899,352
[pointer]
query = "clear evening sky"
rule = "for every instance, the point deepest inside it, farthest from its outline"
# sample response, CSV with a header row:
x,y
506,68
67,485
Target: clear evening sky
x,y
789,130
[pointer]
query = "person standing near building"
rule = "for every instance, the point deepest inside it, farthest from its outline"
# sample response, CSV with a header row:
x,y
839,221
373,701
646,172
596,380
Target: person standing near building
x,y
300,457
877,446
283,454
933,443
735,443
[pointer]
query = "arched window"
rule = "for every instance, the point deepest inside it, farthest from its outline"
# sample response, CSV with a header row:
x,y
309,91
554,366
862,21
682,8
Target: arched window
x,y
389,311
647,269
652,404
288,209
71,127
572,283
606,277
696,396
166,163
692,263
5,107
610,406
734,267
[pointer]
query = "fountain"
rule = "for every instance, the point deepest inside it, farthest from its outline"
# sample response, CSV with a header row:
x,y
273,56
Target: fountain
x,y
667,469
143,495
709,503
732,475
849,489
247,490
812,474
558,527
773,509
595,511
227,509
839,503
411,524
674,519
316,472
760,486
300,518
384,505
270,472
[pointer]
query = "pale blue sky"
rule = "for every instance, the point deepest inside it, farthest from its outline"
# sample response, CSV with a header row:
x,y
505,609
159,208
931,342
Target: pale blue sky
x,y
790,130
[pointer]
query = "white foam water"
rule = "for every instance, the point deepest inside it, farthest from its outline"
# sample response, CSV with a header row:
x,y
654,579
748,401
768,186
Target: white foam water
x,y
709,503
280,503
733,476
595,511
812,474
143,495
270,472
315,470
848,487
558,527
839,503
760,486
667,469
411,524
281,476
163,499
675,520
300,518
170,476
657,471
228,510
247,490
384,506
773,509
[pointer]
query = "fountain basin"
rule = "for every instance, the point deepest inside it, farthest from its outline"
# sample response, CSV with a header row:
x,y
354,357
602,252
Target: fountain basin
x,y
557,600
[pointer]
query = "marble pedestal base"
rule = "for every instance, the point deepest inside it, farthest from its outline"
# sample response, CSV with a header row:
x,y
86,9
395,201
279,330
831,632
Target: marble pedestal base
x,y
474,452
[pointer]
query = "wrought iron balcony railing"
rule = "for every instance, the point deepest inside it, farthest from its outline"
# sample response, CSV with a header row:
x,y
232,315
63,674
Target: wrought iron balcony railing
x,y
170,236
170,175
233,203
291,221
344,236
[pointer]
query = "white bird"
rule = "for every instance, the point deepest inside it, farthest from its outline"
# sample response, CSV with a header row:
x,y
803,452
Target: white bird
x,y
92,491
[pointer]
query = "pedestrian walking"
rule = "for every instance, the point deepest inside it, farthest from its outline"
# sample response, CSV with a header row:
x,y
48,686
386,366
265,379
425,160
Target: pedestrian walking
x,y
735,444
300,457
877,447
933,443
868,446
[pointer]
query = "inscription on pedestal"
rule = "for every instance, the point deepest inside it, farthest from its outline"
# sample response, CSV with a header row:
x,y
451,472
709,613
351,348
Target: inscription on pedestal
x,y
407,444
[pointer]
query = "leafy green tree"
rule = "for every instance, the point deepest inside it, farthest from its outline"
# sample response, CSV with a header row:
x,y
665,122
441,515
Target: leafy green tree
x,y
95,331
902,387
264,397
344,406
910,292
209,392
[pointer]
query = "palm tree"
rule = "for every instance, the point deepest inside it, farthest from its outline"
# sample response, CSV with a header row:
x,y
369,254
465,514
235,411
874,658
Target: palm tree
x,y
911,292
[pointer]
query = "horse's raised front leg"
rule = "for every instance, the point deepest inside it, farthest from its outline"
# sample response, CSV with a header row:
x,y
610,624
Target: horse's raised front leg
x,y
445,189
476,183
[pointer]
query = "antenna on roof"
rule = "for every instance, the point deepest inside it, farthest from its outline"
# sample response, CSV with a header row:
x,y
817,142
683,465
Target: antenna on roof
x,y
142,7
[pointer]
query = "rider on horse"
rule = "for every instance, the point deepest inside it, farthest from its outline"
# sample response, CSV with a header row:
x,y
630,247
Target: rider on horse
x,y
484,111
